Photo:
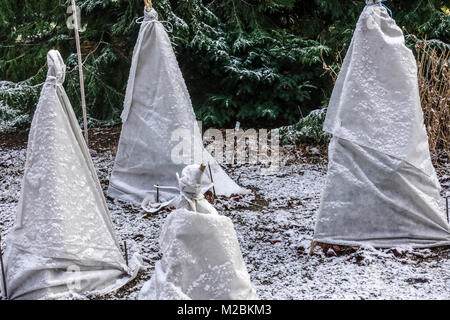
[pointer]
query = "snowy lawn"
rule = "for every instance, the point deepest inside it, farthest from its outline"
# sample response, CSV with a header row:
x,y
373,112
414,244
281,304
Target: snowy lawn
x,y
274,224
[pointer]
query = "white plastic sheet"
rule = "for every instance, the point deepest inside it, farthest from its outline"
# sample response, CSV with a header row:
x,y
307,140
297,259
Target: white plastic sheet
x,y
382,189
63,240
157,115
201,259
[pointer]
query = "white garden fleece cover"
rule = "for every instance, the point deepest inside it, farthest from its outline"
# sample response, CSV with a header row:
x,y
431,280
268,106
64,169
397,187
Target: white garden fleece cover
x,y
157,106
202,259
63,241
382,189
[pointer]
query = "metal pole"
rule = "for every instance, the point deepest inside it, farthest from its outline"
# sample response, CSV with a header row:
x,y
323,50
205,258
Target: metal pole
x,y
157,193
212,180
3,269
446,202
80,69
126,252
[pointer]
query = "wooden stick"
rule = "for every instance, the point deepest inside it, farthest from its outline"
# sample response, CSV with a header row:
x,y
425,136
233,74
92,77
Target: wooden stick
x,y
126,252
148,4
80,69
3,269
313,246
212,180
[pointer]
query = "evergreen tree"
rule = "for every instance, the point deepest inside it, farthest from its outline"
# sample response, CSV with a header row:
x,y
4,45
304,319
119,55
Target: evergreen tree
x,y
255,61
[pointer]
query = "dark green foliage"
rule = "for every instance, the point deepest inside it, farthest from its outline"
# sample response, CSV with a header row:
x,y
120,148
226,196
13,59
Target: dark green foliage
x,y
307,130
254,61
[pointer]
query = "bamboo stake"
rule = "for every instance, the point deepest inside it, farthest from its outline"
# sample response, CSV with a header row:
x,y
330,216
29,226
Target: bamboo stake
x,y
80,69
3,269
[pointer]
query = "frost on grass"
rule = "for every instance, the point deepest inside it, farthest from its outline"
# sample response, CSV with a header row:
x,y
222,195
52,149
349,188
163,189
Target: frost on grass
x,y
275,226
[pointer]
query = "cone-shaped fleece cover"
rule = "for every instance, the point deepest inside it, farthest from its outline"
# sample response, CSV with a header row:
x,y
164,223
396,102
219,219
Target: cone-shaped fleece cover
x,y
157,114
202,260
382,189
63,241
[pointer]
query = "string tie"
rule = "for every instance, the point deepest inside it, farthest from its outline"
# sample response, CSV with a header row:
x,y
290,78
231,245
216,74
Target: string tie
x,y
151,16
381,4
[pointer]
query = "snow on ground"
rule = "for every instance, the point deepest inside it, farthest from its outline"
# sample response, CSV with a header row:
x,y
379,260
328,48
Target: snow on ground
x,y
275,226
